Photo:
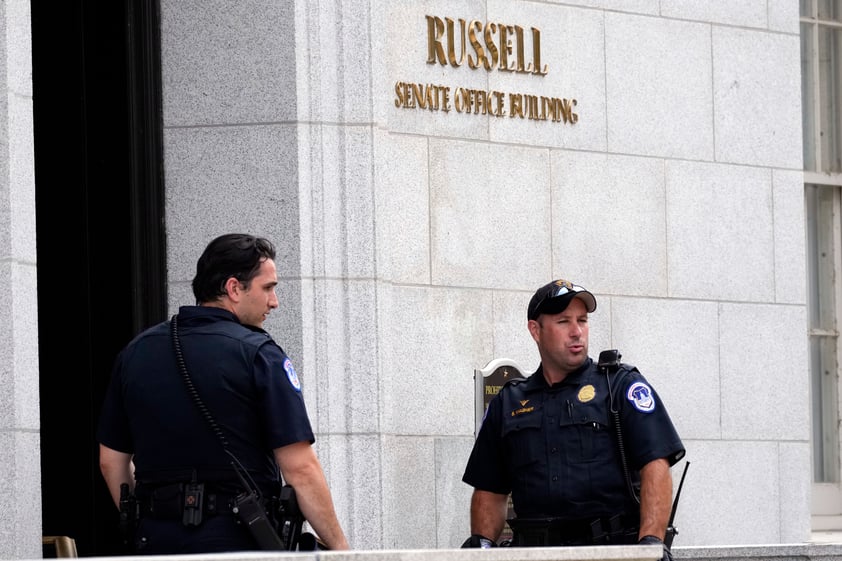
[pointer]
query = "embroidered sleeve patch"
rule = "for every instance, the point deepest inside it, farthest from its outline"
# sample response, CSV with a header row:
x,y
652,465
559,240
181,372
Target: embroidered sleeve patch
x,y
640,395
291,375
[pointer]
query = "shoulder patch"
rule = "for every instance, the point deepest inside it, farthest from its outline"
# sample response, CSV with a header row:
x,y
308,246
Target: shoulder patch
x,y
291,375
640,395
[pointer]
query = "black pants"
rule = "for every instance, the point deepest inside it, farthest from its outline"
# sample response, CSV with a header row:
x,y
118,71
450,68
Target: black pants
x,y
615,530
219,533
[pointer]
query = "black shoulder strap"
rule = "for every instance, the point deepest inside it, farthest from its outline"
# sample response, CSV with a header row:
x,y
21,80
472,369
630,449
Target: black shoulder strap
x,y
611,367
248,506
191,389
241,472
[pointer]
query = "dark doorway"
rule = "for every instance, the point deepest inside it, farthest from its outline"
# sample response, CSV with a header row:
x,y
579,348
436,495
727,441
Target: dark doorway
x,y
100,235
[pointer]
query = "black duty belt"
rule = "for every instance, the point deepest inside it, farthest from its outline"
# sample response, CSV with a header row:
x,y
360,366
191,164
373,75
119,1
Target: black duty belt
x,y
183,501
618,529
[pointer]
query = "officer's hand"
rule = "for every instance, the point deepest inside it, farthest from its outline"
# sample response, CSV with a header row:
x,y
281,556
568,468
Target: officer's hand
x,y
652,540
479,541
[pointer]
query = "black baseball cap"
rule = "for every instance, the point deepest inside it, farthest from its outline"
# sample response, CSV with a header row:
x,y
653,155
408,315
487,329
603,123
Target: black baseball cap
x,y
554,297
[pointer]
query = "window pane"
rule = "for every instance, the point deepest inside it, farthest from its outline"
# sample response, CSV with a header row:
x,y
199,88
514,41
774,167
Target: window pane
x,y
829,92
808,85
821,247
825,444
820,244
829,10
827,246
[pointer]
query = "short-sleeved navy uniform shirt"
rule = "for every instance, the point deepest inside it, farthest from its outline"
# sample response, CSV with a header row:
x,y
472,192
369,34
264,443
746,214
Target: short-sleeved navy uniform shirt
x,y
554,447
243,377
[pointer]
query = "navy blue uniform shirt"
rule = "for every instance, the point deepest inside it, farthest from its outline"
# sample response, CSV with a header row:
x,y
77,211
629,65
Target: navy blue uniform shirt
x,y
555,450
245,380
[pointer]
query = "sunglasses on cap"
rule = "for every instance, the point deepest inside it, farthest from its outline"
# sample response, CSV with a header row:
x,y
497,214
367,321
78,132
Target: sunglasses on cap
x,y
561,289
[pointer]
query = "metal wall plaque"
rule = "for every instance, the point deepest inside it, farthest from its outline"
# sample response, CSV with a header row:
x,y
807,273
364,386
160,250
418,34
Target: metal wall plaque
x,y
488,382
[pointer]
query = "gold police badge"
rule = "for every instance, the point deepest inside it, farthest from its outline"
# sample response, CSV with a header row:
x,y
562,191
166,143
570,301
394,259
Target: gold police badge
x,y
586,393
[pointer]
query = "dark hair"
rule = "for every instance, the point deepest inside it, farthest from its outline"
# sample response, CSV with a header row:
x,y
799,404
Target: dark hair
x,y
229,255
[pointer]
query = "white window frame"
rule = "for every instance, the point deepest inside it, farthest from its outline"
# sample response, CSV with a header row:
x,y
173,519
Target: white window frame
x,y
825,266
824,246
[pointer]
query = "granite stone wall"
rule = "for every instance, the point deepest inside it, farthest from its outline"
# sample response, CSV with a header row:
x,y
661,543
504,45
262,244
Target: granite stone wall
x,y
412,236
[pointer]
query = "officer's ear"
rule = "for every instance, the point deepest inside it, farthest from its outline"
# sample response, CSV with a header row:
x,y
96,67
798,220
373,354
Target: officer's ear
x,y
233,289
533,327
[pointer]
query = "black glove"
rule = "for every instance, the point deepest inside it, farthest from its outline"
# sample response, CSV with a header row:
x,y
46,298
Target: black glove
x,y
653,540
479,541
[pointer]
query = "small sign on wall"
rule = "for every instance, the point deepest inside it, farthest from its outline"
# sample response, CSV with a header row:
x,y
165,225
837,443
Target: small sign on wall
x,y
488,382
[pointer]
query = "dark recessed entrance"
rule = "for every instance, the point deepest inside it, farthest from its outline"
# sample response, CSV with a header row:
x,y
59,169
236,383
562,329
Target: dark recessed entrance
x,y
100,235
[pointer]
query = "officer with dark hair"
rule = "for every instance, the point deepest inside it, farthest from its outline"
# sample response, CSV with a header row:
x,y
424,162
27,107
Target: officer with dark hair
x,y
188,461
551,440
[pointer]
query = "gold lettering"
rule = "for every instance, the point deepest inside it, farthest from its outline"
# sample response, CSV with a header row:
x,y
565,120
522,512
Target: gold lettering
x,y
435,97
536,54
486,51
432,97
424,96
505,47
540,108
492,46
480,102
532,106
445,99
554,109
459,101
501,107
472,37
400,95
451,47
522,410
435,51
567,113
490,30
516,105
548,108
418,97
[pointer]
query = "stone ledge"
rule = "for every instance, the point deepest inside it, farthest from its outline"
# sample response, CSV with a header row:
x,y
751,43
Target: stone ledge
x,y
782,552
595,553
777,552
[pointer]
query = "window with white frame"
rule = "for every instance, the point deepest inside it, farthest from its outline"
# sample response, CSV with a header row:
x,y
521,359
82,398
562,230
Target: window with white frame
x,y
821,88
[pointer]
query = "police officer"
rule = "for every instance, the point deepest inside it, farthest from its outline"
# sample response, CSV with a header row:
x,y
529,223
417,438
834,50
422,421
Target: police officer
x,y
178,440
550,441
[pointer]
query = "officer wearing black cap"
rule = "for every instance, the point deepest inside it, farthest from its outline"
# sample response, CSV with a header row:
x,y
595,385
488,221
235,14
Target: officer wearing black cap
x,y
551,441
190,442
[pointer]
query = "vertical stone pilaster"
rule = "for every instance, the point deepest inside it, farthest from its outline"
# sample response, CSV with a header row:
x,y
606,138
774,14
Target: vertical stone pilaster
x,y
20,472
